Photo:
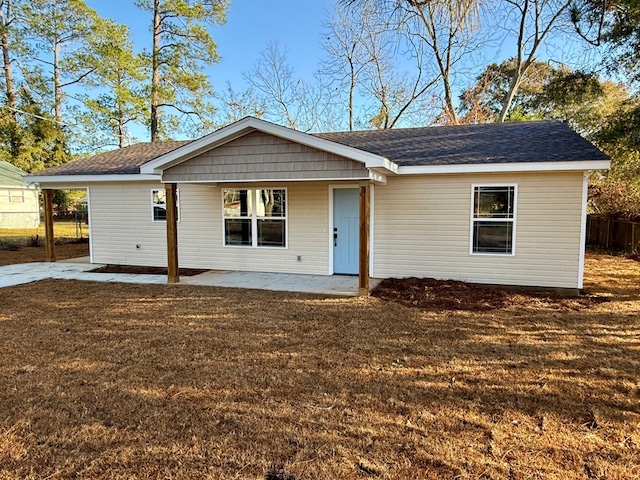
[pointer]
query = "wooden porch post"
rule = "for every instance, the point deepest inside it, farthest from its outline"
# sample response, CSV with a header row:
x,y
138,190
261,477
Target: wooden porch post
x,y
173,275
48,225
363,267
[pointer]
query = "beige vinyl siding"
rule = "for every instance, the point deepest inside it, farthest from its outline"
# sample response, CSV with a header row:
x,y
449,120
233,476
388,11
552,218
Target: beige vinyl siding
x,y
121,219
422,228
259,156
120,216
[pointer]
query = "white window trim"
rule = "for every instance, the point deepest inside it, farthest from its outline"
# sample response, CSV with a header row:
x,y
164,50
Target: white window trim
x,y
153,220
254,219
513,220
17,193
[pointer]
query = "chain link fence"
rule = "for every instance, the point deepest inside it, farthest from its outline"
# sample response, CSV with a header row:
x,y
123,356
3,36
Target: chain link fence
x,y
28,228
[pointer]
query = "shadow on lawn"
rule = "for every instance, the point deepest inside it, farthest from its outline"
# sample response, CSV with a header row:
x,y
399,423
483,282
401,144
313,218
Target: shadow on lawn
x,y
194,382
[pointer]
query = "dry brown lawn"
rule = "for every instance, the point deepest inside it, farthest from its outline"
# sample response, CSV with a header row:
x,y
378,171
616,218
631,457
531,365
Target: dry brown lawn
x,y
37,254
121,381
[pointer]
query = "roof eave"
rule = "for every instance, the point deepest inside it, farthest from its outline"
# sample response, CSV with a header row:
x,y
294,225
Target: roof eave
x,y
90,178
556,166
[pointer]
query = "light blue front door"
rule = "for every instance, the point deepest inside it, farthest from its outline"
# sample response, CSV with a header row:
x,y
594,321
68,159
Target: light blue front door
x,y
346,228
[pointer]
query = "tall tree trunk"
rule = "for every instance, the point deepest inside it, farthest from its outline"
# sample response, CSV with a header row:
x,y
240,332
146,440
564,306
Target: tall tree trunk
x,y
508,99
155,74
449,106
122,131
352,90
57,87
532,41
5,22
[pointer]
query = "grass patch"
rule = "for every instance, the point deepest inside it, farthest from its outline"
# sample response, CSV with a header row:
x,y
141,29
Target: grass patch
x,y
61,230
144,381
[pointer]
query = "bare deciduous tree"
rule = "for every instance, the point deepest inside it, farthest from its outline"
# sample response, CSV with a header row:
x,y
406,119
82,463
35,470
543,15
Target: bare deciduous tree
x,y
535,21
288,100
368,51
446,28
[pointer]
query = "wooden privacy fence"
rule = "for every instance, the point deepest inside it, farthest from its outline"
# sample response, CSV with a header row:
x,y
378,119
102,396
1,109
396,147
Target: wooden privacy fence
x,y
613,233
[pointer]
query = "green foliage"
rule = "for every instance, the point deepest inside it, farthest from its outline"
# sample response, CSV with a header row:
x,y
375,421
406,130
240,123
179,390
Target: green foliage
x,y
32,141
580,99
483,101
66,199
182,45
615,23
118,97
602,111
618,193
59,35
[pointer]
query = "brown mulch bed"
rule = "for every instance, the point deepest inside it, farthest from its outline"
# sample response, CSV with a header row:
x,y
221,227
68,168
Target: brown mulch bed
x,y
64,251
426,293
186,272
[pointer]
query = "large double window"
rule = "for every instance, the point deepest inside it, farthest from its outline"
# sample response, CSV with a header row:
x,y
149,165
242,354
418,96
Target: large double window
x,y
493,219
255,217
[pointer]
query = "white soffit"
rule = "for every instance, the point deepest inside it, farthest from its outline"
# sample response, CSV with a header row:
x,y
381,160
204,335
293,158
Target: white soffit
x,y
562,166
83,179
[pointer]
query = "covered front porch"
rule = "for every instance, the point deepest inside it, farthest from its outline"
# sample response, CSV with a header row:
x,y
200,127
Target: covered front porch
x,y
250,197
81,269
363,267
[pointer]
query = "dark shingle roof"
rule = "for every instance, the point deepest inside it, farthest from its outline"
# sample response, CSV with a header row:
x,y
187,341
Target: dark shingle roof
x,y
122,161
541,141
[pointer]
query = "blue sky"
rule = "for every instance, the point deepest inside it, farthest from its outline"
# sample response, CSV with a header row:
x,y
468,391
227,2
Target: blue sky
x,y
295,25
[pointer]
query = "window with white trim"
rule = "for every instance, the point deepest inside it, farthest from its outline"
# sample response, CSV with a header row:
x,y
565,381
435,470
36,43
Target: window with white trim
x,y
159,205
255,217
493,219
16,196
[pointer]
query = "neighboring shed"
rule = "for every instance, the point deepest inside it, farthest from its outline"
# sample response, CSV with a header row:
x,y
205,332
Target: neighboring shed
x,y
19,204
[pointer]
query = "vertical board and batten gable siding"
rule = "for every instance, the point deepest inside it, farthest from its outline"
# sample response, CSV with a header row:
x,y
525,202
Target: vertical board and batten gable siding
x,y
121,220
259,156
422,228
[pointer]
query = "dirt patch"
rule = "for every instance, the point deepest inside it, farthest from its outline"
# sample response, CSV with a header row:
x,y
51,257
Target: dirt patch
x,y
101,381
64,251
427,294
185,272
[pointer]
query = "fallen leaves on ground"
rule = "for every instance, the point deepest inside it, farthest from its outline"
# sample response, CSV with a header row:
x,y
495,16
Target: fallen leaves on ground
x,y
115,381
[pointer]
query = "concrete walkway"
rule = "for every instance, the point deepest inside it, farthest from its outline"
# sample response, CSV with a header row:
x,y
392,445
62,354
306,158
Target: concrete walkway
x,y
80,269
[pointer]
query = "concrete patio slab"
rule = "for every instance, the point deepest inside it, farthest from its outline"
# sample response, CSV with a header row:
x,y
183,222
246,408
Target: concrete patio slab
x,y
80,269
342,285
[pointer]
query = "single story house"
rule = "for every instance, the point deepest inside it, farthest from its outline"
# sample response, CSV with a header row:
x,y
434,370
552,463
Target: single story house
x,y
19,200
492,203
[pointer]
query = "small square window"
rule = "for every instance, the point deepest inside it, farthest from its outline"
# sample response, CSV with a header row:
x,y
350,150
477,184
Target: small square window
x,y
16,196
159,205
